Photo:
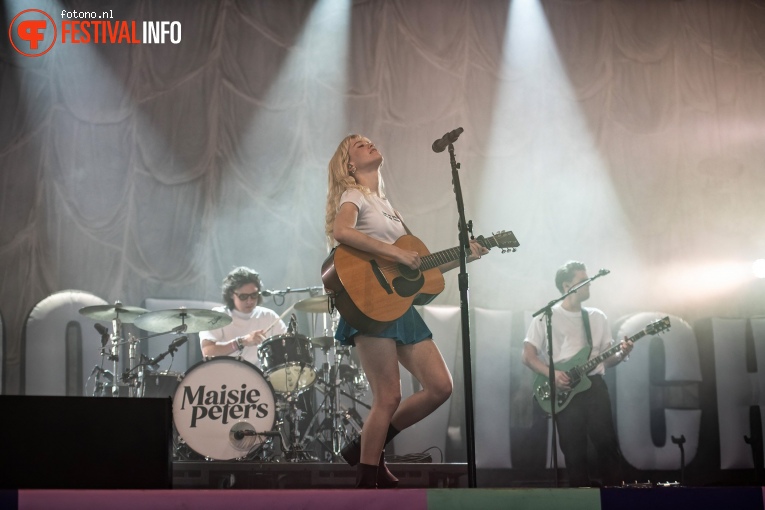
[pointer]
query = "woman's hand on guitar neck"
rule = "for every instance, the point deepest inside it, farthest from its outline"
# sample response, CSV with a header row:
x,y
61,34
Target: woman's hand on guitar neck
x,y
476,250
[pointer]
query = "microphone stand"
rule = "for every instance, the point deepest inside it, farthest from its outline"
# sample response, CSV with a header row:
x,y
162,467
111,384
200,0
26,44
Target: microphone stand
x,y
547,310
278,295
289,290
467,366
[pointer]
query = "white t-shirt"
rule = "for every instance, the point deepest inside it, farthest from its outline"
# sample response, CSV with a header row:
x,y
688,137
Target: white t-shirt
x,y
377,218
569,336
244,324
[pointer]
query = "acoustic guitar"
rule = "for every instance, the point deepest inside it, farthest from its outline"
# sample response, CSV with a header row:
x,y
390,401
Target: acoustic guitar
x,y
578,367
370,292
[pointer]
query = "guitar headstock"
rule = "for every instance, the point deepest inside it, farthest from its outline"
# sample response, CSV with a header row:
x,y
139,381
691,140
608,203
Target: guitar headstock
x,y
502,239
658,326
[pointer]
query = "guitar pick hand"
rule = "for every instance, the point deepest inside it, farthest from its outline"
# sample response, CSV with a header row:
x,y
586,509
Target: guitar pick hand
x,y
562,380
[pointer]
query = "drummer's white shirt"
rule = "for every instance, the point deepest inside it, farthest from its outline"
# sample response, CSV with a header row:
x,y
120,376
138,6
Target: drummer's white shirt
x,y
244,324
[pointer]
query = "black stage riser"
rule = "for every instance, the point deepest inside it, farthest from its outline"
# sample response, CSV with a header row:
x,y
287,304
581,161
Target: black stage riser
x,y
85,443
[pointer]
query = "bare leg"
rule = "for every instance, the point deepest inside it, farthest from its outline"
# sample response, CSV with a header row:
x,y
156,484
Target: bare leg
x,y
424,361
380,363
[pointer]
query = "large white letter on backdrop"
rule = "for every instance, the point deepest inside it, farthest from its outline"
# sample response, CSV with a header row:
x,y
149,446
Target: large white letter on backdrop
x,y
492,387
737,389
633,394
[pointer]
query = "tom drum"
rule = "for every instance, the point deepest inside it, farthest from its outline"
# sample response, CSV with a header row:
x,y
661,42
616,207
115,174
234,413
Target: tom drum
x,y
287,361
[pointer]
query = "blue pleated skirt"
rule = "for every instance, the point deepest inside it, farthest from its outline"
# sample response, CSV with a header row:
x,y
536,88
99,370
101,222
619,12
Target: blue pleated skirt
x,y
408,329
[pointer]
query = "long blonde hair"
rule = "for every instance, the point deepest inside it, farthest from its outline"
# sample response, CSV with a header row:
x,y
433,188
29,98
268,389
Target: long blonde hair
x,y
338,181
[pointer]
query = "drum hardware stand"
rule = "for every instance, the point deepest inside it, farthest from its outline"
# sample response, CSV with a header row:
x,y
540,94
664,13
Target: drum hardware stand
x,y
117,314
336,417
114,357
100,386
134,388
135,380
294,451
292,448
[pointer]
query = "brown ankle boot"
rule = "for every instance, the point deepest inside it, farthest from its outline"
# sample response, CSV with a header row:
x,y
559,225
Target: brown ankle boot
x,y
385,479
366,476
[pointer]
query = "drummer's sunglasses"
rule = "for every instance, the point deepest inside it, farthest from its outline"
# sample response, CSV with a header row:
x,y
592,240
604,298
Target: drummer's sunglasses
x,y
245,297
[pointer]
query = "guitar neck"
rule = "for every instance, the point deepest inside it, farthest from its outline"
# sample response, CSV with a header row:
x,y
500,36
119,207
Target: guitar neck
x,y
591,364
444,256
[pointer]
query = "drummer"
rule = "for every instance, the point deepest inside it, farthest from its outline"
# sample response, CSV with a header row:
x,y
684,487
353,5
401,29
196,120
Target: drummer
x,y
251,322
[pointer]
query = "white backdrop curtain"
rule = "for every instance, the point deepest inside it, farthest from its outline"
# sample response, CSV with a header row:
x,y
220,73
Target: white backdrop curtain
x,y
625,134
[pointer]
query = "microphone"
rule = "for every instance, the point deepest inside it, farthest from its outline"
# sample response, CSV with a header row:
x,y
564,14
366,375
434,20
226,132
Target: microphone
x,y
603,272
443,142
177,343
170,349
179,329
104,333
267,293
292,327
145,360
240,434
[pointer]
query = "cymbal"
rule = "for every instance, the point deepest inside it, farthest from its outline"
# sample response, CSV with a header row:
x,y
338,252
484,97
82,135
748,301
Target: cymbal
x,y
195,319
127,314
316,304
325,342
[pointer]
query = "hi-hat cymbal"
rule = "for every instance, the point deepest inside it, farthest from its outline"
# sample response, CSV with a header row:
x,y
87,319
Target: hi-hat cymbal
x,y
196,320
316,304
127,314
325,342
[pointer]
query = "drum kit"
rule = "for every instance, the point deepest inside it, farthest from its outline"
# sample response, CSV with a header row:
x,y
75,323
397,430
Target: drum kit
x,y
225,408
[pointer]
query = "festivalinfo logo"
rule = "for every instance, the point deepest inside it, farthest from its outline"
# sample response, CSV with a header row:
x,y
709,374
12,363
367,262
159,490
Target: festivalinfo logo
x,y
34,32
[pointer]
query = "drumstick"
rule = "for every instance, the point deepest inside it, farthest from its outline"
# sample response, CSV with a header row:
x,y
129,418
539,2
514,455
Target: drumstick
x,y
288,310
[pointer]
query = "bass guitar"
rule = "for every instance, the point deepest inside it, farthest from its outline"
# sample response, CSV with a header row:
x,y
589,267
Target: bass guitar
x,y
578,367
371,292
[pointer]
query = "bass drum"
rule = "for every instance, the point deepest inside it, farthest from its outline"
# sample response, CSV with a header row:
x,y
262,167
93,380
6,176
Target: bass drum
x,y
224,408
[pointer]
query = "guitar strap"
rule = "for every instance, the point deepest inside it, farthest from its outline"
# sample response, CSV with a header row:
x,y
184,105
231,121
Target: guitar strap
x,y
402,222
586,320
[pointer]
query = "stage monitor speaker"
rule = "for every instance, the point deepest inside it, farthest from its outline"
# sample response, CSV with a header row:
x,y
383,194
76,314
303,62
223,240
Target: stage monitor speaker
x,y
85,443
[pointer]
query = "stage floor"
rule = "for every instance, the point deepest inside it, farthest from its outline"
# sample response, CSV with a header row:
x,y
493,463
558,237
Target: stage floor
x,y
307,475
745,498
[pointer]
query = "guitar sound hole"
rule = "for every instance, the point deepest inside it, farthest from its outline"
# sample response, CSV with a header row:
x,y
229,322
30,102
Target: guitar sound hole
x,y
408,273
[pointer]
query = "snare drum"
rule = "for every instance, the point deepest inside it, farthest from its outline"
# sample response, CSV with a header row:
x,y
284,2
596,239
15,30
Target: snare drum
x,y
287,361
222,406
